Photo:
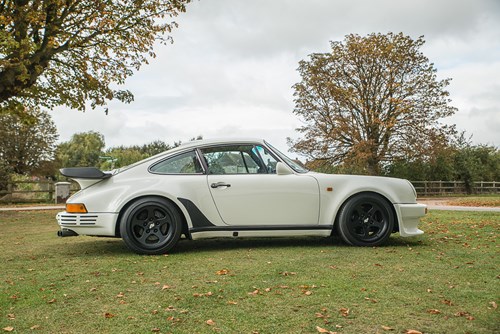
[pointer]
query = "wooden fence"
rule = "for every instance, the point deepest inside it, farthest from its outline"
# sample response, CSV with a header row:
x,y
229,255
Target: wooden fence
x,y
38,191
431,188
44,191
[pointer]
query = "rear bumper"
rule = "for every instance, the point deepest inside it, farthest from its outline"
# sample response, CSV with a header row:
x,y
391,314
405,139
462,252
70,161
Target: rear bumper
x,y
97,224
409,217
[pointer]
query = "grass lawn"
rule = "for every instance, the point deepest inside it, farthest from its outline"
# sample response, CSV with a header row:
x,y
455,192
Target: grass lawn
x,y
446,281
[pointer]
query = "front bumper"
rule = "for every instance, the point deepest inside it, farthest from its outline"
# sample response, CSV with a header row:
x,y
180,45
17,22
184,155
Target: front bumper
x,y
95,224
409,217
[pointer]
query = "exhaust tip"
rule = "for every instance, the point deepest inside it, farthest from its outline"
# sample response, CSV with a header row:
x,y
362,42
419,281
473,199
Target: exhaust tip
x,y
66,233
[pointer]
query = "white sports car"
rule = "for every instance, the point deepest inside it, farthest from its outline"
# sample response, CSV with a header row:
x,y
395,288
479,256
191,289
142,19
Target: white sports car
x,y
234,188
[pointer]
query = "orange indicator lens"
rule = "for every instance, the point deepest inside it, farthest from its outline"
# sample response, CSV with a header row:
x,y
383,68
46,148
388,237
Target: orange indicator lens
x,y
76,208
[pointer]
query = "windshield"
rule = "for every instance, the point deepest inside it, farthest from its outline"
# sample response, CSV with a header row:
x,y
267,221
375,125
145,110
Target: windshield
x,y
294,165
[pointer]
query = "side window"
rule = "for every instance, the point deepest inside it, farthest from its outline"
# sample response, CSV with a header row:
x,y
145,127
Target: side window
x,y
269,161
186,163
238,159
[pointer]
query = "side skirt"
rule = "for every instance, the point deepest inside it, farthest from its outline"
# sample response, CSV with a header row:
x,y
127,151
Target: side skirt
x,y
261,231
203,228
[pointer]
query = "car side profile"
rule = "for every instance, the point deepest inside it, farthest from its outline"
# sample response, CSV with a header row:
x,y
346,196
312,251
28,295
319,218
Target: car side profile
x,y
234,188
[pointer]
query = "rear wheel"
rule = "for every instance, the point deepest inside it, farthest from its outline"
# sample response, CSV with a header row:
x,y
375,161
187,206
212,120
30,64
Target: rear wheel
x,y
365,220
151,226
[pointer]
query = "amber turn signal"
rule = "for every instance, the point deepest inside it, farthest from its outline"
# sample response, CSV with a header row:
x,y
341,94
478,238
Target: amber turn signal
x,y
76,208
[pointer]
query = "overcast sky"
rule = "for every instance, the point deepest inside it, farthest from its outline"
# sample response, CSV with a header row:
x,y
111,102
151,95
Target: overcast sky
x,y
233,62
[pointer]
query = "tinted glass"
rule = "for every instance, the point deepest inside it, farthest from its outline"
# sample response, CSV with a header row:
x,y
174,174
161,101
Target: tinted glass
x,y
186,163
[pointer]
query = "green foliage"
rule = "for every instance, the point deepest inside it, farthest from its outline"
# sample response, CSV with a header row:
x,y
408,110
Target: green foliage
x,y
82,150
27,140
87,149
55,52
370,101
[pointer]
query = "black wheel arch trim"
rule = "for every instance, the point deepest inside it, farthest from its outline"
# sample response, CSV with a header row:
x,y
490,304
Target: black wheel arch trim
x,y
198,219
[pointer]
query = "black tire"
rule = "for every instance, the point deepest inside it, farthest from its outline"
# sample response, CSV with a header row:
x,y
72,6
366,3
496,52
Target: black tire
x,y
365,220
151,226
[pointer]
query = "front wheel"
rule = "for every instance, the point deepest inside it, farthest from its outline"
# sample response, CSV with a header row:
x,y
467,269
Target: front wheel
x,y
151,226
365,220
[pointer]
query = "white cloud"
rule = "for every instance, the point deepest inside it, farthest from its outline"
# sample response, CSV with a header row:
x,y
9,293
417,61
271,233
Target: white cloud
x,y
233,62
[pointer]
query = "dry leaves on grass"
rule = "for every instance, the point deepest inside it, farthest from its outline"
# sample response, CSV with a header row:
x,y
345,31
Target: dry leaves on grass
x,y
8,329
344,312
222,272
412,331
323,330
108,315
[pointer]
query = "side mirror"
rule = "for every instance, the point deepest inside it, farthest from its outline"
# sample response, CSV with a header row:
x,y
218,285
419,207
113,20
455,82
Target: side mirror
x,y
282,169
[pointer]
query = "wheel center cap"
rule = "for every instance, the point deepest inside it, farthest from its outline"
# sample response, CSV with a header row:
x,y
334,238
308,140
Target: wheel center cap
x,y
151,225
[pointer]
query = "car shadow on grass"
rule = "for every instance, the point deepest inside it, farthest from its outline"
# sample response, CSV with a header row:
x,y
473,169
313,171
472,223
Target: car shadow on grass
x,y
92,246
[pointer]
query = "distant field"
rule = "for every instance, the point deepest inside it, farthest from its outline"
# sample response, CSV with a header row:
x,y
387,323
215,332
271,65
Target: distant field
x,y
446,281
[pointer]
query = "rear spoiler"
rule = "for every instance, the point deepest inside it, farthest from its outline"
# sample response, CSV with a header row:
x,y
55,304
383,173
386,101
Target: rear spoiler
x,y
85,176
84,173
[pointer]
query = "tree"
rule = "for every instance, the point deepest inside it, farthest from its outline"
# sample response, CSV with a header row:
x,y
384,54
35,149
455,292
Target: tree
x,y
26,142
82,150
68,52
370,101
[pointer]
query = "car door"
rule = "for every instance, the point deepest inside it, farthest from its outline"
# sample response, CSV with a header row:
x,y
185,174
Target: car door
x,y
247,191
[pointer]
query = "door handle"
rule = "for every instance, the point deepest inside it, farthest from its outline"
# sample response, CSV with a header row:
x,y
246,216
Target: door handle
x,y
220,184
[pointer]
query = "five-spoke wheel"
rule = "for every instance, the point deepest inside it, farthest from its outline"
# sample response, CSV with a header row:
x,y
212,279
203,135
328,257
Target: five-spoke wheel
x,y
365,220
151,226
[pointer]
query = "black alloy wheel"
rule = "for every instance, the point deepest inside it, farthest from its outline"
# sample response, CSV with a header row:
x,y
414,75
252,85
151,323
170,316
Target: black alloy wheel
x,y
151,226
366,219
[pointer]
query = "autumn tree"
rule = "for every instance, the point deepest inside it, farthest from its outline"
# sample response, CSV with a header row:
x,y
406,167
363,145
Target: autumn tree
x,y
26,142
69,52
369,101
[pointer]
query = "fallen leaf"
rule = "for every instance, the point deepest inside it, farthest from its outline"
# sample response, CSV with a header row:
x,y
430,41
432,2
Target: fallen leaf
x,y
8,329
222,272
120,295
322,330
155,330
387,328
344,312
210,322
11,316
371,300
35,327
165,287
52,301
434,311
493,305
232,302
464,314
308,293
412,331
108,315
